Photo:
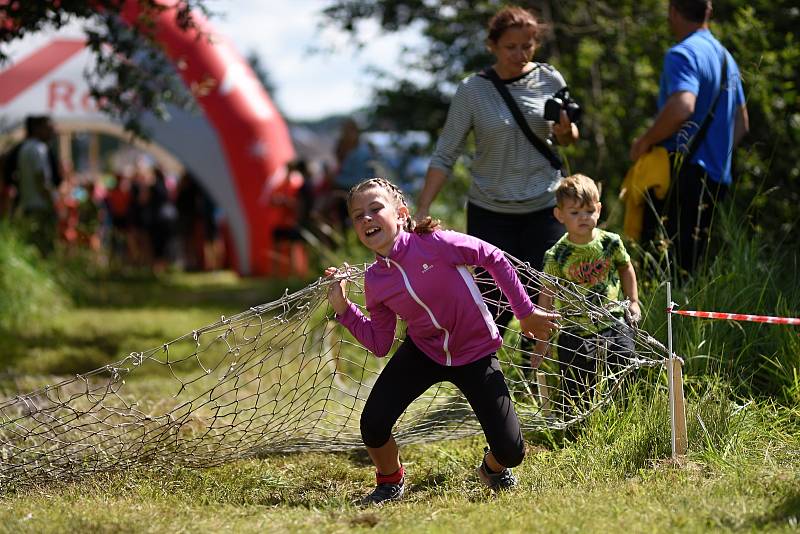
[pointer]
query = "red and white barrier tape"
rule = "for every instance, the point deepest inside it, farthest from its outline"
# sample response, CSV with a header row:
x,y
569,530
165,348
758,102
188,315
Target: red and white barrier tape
x,y
738,317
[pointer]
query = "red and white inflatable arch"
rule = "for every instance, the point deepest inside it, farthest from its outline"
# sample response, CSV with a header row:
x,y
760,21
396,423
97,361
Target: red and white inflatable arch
x,y
236,148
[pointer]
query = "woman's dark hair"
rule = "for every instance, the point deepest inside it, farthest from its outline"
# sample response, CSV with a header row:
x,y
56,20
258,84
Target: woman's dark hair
x,y
512,17
692,10
426,226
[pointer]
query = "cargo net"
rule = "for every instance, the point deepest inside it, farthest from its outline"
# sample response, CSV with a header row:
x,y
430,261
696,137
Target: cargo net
x,y
285,376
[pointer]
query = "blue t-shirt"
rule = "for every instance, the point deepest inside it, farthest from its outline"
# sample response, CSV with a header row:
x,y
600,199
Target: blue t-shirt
x,y
695,65
358,165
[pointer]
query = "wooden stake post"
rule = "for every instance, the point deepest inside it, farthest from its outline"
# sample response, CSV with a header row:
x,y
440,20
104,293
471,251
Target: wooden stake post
x,y
677,406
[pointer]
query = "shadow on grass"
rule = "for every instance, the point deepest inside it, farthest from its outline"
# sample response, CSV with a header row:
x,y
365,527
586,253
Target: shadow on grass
x,y
432,481
785,514
207,290
47,349
61,353
358,457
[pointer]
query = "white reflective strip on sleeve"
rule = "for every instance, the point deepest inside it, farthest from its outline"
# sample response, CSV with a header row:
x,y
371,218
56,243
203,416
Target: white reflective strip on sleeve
x,y
478,298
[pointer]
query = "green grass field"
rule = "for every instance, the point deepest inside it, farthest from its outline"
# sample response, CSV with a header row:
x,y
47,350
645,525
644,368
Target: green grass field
x,y
611,474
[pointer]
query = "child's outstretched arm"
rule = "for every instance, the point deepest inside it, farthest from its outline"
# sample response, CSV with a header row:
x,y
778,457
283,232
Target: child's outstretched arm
x,y
627,276
542,345
539,324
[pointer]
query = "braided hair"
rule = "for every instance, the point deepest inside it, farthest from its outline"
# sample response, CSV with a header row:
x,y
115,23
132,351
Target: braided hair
x,y
426,226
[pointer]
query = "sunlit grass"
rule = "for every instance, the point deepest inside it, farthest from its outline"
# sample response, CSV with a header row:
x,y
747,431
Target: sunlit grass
x,y
612,473
745,478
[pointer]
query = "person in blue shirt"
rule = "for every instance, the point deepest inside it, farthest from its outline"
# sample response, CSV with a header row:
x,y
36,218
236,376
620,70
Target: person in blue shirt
x,y
354,155
690,82
356,160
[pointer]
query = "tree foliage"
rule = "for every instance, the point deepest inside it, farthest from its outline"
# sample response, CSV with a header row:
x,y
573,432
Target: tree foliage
x,y
131,74
611,55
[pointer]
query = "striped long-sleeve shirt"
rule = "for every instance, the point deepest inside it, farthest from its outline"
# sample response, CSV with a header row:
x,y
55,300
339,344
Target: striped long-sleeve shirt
x,y
509,175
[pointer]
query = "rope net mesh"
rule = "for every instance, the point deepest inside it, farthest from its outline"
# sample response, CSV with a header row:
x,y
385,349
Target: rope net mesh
x,y
285,376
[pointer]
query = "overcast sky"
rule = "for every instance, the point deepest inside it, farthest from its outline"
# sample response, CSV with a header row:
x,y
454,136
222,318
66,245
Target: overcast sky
x,y
283,33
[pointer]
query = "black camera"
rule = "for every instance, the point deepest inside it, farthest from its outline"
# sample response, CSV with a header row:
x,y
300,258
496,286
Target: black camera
x,y
561,100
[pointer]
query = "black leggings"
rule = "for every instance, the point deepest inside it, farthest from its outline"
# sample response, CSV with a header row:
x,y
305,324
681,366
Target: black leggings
x,y
410,373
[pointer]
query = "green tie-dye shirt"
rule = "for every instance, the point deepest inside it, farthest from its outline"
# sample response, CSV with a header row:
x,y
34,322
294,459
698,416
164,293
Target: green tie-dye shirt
x,y
594,268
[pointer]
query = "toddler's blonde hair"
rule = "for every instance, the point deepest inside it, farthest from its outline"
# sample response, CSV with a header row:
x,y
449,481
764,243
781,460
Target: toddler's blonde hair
x,y
579,188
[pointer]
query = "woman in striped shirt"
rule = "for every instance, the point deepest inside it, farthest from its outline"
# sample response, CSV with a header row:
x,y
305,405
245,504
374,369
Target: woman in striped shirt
x,y
513,186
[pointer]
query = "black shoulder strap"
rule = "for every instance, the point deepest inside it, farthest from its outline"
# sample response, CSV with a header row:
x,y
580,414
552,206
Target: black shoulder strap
x,y
541,146
694,144
10,162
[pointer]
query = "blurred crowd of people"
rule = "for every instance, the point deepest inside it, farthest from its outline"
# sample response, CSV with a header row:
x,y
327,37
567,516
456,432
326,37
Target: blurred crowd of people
x,y
153,219
139,216
310,199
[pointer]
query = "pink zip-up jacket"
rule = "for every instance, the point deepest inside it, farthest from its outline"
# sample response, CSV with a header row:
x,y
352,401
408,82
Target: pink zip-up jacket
x,y
426,281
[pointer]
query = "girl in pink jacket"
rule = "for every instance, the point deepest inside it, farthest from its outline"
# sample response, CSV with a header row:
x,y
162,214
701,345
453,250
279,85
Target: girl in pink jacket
x,y
421,274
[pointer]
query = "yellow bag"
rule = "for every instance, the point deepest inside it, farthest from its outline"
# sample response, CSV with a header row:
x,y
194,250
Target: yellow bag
x,y
651,171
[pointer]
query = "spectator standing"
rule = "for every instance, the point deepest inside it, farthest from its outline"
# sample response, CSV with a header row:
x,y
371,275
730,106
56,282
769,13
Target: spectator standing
x,y
9,185
197,228
354,156
140,218
190,203
290,201
162,221
118,204
35,175
511,198
356,160
702,116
